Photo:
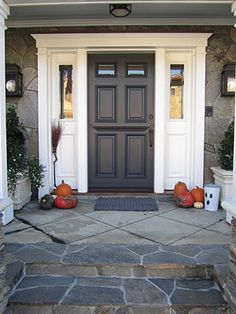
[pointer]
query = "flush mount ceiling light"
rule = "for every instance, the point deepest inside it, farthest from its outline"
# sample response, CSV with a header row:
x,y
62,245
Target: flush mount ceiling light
x,y
120,10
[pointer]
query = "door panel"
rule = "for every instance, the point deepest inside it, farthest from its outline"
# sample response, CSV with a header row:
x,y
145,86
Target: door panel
x,y
106,162
136,104
106,104
135,156
121,111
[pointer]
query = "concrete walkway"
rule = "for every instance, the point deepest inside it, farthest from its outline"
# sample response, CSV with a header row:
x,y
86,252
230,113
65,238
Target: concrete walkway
x,y
168,226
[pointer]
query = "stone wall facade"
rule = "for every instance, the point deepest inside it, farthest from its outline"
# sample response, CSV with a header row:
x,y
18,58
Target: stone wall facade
x,y
3,287
21,49
231,283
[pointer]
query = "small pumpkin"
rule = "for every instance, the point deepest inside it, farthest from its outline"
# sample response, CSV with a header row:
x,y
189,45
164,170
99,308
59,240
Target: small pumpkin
x,y
185,199
198,194
66,202
47,202
179,188
63,189
198,205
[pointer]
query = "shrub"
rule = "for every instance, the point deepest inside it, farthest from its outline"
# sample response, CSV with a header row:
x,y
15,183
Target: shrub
x,y
18,165
226,149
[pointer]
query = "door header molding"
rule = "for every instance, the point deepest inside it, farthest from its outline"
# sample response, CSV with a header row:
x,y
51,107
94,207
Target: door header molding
x,y
118,40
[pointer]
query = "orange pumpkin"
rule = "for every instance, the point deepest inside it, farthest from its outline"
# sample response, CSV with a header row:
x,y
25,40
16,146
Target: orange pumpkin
x,y
180,187
198,194
63,189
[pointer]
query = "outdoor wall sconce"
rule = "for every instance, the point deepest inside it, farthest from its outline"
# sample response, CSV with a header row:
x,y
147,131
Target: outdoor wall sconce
x,y
120,10
228,81
13,80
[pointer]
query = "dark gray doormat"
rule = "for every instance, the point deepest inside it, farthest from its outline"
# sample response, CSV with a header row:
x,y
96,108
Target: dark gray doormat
x,y
126,204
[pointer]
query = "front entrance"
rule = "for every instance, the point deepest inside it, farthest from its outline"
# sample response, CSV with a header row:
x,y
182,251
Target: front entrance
x,y
121,120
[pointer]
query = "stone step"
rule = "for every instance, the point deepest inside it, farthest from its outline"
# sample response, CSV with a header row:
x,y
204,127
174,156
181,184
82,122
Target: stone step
x,y
63,294
59,278
117,260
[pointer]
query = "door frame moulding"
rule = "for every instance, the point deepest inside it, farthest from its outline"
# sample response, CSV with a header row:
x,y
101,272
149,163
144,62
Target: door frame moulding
x,y
157,43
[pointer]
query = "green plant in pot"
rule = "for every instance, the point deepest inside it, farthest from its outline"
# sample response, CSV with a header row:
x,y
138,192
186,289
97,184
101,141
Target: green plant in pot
x,y
18,165
226,149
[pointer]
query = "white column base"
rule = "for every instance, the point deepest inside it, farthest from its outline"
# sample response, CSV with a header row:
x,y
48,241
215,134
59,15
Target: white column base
x,y
230,207
6,208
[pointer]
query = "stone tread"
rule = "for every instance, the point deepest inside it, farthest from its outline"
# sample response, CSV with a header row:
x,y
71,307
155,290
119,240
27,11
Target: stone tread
x,y
138,255
96,291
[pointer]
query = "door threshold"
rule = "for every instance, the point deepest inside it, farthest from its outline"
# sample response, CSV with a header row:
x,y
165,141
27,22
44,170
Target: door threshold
x,y
167,195
121,190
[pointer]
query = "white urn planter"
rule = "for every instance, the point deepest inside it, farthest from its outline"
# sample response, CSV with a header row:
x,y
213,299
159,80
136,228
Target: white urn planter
x,y
224,178
22,193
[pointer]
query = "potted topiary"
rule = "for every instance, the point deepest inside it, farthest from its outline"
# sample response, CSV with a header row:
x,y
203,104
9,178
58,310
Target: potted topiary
x,y
223,174
23,173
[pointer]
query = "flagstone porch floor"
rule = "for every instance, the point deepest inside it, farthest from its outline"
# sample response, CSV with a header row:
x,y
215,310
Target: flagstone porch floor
x,y
91,260
168,226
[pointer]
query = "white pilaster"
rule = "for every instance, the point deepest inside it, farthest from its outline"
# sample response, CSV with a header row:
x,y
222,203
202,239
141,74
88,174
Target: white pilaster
x,y
160,83
82,121
233,8
199,116
44,118
4,12
234,166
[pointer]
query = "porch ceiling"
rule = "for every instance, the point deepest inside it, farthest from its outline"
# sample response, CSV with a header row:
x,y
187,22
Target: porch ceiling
x,y
36,13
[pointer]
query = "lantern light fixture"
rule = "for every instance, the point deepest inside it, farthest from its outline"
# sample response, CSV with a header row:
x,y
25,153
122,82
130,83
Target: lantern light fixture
x,y
228,81
120,9
13,80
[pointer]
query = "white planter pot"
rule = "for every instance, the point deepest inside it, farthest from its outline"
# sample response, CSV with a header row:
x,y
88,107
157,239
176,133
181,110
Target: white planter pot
x,y
22,193
224,178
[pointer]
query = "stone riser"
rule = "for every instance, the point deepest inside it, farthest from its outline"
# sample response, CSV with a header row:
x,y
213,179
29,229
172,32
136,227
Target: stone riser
x,y
113,309
161,271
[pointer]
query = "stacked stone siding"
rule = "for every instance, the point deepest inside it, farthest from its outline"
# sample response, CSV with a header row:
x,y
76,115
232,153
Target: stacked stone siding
x,y
231,284
21,49
3,288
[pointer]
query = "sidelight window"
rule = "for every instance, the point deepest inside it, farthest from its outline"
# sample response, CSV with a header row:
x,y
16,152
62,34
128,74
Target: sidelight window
x,y
66,91
176,91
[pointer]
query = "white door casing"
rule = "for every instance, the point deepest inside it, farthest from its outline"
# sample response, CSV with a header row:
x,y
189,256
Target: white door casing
x,y
167,47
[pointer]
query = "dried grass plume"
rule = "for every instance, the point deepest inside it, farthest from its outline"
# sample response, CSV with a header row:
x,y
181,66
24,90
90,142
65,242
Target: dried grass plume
x,y
56,135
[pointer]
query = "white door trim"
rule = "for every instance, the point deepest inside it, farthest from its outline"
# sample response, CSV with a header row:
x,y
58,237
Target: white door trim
x,y
160,44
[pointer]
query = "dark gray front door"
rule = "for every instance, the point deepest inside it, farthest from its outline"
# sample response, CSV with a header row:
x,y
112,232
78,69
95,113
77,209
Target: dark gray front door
x,y
121,120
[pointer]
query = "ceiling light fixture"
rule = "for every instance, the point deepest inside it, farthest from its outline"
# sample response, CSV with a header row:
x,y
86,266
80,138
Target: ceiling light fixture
x,y
120,10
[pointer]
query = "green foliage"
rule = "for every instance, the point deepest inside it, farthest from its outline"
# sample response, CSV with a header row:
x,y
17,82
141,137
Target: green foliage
x,y
226,149
18,166
35,172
